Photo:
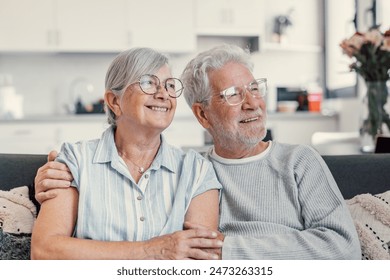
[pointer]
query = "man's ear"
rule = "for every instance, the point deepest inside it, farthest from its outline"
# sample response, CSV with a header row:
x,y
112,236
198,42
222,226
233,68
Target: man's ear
x,y
113,102
200,114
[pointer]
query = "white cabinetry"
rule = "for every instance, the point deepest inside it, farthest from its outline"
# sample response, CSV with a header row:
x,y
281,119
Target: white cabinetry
x,y
96,26
164,25
41,136
26,25
62,25
229,17
27,137
90,25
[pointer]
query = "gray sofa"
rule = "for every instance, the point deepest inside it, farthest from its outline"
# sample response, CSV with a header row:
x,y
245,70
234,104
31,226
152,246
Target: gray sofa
x,y
354,174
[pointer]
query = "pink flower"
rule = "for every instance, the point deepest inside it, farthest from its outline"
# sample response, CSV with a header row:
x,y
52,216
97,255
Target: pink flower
x,y
370,54
374,36
386,41
352,45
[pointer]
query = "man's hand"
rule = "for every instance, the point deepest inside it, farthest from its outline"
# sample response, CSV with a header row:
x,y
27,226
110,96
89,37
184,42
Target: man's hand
x,y
199,244
220,236
51,176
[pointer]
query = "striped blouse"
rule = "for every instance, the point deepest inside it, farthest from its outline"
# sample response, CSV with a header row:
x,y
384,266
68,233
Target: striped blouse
x,y
113,207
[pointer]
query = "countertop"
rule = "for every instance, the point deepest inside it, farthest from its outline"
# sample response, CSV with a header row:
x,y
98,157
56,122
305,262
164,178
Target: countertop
x,y
57,118
273,116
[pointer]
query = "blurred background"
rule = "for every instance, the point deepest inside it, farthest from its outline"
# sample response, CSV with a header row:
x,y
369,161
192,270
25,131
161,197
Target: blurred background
x,y
54,55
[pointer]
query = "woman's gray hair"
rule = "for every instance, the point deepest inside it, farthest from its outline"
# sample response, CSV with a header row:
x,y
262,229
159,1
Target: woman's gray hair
x,y
195,76
127,67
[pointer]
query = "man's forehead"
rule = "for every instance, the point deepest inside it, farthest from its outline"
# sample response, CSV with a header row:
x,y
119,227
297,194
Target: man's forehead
x,y
226,77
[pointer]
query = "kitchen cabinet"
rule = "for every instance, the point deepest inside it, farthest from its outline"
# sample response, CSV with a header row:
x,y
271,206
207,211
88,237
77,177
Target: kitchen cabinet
x,y
27,137
167,26
43,135
62,25
26,25
89,25
96,26
229,18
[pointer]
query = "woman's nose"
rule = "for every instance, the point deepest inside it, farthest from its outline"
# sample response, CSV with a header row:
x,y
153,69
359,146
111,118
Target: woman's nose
x,y
161,92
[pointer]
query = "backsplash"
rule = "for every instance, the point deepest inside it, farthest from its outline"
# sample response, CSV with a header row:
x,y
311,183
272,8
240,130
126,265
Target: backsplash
x,y
45,80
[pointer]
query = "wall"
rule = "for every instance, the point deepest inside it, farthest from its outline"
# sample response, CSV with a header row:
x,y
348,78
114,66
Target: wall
x,y
45,80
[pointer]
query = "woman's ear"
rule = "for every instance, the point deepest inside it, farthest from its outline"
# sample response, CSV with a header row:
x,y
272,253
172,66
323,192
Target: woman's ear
x,y
200,114
113,102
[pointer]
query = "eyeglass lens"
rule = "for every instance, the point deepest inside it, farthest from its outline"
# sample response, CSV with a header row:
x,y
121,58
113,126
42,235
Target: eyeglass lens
x,y
236,95
150,85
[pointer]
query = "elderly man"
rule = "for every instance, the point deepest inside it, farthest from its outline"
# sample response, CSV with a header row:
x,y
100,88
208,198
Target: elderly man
x,y
279,201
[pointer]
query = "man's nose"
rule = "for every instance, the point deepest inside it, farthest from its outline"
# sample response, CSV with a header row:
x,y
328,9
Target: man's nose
x,y
251,100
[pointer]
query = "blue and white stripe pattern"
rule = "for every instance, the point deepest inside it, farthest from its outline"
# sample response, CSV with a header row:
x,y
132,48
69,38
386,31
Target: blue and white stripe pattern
x,y
113,207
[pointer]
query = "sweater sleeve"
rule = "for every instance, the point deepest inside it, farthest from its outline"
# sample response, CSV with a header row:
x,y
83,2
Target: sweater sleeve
x,y
327,229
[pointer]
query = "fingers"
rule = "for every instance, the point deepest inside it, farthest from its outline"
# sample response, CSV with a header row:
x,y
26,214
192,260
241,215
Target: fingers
x,y
186,244
56,170
53,170
55,165
199,233
50,176
52,155
47,188
198,254
189,225
43,196
201,244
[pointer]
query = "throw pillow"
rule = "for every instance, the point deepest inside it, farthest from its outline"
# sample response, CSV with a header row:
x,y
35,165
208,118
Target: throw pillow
x,y
17,216
371,215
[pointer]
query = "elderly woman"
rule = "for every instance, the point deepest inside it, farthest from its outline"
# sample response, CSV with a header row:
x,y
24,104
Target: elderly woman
x,y
131,191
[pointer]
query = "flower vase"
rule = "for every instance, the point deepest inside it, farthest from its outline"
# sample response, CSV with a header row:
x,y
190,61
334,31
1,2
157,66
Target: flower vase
x,y
375,117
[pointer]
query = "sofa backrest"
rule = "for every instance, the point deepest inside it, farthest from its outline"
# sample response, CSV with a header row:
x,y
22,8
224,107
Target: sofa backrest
x,y
354,174
358,174
19,169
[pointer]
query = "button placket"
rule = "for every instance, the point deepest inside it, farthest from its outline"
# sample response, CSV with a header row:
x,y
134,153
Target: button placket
x,y
143,183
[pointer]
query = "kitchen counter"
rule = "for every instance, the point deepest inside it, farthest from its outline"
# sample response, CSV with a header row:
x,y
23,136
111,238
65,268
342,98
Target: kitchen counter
x,y
58,118
40,134
97,117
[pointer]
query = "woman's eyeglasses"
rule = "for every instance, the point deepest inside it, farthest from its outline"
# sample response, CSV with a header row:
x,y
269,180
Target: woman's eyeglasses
x,y
150,84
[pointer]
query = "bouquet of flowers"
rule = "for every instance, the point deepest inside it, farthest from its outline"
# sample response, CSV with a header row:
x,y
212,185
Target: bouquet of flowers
x,y
371,52
371,59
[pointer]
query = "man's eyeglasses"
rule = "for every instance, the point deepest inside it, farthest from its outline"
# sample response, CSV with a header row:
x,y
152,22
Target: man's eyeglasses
x,y
236,95
150,84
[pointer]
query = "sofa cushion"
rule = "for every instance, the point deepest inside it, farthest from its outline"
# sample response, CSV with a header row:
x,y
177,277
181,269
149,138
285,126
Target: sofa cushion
x,y
371,215
17,217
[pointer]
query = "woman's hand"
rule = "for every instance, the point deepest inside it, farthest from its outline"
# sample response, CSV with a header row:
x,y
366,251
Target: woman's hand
x,y
186,244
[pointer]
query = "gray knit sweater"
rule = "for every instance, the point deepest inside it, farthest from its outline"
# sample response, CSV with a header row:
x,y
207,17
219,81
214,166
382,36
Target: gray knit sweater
x,y
283,205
